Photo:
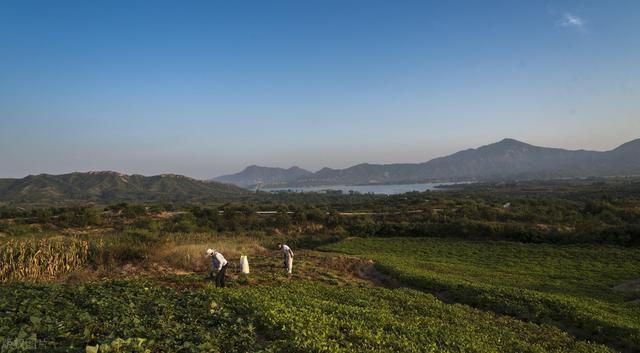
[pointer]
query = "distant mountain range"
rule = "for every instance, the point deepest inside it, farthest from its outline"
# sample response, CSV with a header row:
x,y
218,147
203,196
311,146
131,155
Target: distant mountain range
x,y
108,187
505,160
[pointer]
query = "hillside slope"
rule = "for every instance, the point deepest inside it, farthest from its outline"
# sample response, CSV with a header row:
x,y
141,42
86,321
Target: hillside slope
x,y
107,187
254,175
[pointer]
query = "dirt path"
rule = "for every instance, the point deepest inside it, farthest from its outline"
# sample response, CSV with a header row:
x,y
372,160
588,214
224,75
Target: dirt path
x,y
266,269
631,286
368,271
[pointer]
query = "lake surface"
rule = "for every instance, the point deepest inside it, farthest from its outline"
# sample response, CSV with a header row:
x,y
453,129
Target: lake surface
x,y
391,189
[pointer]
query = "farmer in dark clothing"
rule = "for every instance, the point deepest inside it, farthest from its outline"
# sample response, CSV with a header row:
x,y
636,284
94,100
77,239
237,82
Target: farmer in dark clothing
x,y
218,265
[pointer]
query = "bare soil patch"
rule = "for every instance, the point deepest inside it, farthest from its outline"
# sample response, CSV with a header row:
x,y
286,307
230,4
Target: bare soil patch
x,y
631,286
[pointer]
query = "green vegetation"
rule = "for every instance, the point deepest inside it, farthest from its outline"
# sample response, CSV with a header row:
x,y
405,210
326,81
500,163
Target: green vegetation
x,y
123,277
138,316
568,285
586,211
108,187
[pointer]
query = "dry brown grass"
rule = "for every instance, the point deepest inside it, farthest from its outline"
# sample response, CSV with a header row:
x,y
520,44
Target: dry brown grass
x,y
66,259
74,258
191,256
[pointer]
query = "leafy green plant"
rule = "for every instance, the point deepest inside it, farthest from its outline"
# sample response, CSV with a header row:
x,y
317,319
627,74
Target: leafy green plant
x,y
138,316
567,285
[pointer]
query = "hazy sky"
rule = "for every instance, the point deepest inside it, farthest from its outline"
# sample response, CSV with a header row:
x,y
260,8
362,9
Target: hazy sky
x,y
203,88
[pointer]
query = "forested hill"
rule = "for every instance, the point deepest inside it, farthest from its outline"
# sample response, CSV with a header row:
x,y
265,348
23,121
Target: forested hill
x,y
505,160
109,187
254,175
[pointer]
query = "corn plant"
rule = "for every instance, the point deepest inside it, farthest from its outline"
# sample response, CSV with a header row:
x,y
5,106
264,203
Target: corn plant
x,y
32,260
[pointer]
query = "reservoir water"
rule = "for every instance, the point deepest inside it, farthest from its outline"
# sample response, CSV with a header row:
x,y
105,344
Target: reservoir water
x,y
391,189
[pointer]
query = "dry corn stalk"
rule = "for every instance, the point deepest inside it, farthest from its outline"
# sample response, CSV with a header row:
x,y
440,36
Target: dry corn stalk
x,y
33,260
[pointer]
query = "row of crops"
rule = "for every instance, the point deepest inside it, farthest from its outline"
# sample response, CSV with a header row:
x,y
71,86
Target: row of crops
x,y
139,316
37,259
571,286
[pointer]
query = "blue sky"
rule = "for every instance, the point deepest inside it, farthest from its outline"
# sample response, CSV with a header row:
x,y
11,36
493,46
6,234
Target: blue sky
x,y
204,88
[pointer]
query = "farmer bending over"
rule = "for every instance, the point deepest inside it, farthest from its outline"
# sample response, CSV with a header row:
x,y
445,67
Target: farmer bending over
x,y
288,257
218,265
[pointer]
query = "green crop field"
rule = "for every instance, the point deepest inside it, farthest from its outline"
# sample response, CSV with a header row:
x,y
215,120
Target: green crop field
x,y
527,298
140,316
556,271
571,286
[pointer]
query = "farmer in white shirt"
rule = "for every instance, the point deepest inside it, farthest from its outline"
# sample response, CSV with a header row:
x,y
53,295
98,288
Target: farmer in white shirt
x,y
219,265
288,257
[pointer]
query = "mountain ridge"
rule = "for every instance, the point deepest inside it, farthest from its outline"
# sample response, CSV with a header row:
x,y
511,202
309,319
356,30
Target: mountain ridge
x,y
109,187
254,174
505,159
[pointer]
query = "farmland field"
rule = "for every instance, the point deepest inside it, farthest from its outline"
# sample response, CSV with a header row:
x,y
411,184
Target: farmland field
x,y
322,308
571,286
456,271
139,316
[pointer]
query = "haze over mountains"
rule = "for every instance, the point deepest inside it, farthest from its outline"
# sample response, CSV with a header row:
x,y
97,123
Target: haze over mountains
x,y
507,159
107,187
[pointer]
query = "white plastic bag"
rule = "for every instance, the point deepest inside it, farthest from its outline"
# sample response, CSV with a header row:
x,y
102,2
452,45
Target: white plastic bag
x,y
289,263
244,264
